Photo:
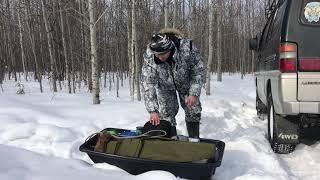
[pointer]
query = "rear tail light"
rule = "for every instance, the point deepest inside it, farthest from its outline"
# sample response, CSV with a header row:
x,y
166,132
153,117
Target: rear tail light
x,y
309,64
288,65
288,57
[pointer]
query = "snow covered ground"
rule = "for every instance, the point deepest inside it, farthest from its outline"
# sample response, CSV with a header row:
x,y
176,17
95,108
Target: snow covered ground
x,y
40,134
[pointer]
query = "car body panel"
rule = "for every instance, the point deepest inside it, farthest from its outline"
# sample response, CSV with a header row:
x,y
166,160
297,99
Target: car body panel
x,y
292,93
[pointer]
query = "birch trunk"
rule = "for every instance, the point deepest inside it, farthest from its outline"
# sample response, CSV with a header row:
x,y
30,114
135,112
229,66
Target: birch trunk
x,y
136,58
137,74
2,47
94,61
71,58
166,13
252,34
49,41
10,44
110,70
33,47
175,14
129,31
55,48
240,45
219,41
118,59
210,49
81,73
64,44
105,74
1,57
193,20
133,46
22,48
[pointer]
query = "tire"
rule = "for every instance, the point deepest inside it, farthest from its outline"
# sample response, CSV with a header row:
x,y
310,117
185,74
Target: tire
x,y
261,108
277,147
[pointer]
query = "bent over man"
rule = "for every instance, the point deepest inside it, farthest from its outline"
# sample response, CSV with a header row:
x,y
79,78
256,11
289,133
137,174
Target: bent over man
x,y
173,64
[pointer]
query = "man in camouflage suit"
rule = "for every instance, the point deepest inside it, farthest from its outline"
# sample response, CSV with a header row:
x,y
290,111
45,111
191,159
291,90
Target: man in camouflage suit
x,y
173,64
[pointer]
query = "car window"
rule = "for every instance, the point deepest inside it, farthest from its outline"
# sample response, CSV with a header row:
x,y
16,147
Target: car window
x,y
265,31
276,25
271,29
264,34
310,12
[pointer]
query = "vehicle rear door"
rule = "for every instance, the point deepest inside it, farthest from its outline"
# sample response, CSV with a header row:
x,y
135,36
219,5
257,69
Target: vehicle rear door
x,y
304,29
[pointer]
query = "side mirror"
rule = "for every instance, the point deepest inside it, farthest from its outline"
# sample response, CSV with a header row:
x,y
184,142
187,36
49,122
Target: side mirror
x,y
253,43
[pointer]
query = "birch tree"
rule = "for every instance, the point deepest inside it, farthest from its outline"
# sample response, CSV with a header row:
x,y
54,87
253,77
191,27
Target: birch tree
x,y
49,42
129,37
64,44
136,51
37,72
210,49
94,61
12,68
166,13
73,66
133,47
252,34
219,40
193,18
23,59
175,14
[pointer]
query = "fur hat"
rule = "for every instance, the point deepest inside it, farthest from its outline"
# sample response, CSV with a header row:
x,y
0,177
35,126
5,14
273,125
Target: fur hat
x,y
165,40
171,32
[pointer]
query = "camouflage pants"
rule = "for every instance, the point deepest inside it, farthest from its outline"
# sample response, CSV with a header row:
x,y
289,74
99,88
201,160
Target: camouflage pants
x,y
169,106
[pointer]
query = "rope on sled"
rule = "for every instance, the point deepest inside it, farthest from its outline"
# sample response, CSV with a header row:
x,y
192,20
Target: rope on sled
x,y
146,134
162,133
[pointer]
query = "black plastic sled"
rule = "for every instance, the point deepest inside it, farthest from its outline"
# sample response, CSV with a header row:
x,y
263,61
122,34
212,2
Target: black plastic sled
x,y
135,166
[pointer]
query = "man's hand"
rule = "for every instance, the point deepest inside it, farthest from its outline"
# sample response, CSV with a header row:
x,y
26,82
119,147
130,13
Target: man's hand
x,y
191,101
155,118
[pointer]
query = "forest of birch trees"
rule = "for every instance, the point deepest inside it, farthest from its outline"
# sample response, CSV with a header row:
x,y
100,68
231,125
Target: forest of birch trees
x,y
97,44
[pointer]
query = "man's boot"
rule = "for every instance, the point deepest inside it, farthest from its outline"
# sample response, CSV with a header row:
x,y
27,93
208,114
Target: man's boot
x,y
173,131
193,129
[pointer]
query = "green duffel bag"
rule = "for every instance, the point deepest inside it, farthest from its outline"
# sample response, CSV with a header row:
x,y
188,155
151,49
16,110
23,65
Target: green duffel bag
x,y
163,149
125,147
177,151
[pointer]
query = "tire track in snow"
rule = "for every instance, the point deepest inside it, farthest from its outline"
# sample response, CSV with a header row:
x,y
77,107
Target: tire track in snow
x,y
304,162
230,115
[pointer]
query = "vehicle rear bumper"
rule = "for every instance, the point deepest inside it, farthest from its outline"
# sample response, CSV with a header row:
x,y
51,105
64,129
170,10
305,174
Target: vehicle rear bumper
x,y
293,108
284,92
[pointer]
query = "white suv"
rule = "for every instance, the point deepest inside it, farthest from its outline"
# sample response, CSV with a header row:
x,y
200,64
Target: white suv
x,y
288,72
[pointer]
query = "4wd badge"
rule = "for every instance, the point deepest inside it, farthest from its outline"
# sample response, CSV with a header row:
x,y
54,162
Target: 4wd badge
x,y
312,11
288,136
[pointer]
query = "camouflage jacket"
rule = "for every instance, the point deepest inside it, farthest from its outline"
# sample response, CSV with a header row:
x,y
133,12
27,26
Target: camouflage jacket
x,y
185,75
